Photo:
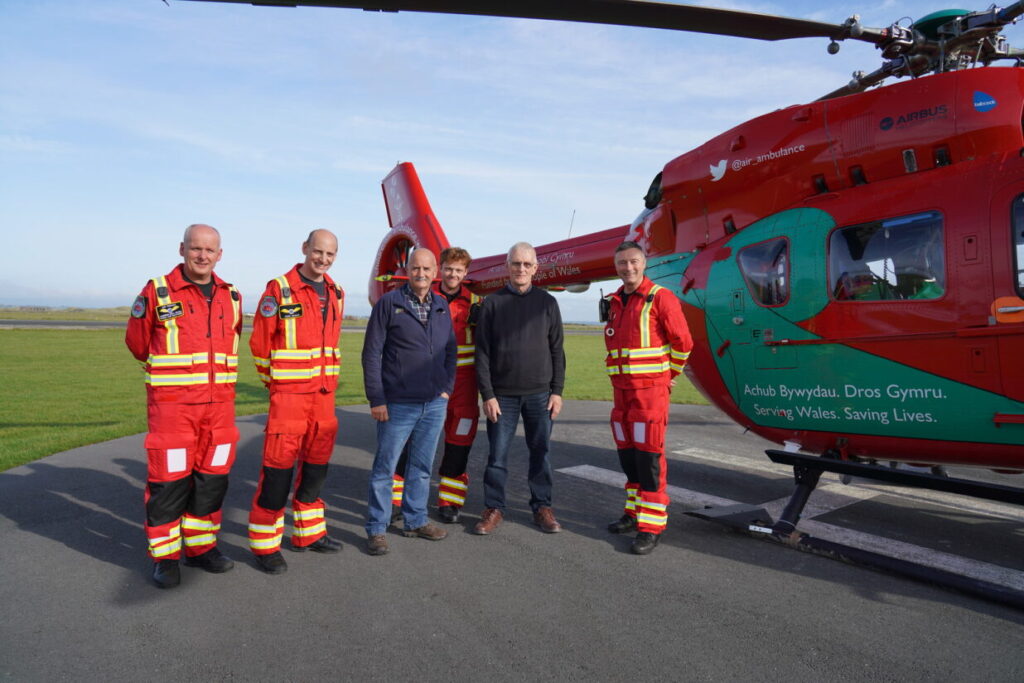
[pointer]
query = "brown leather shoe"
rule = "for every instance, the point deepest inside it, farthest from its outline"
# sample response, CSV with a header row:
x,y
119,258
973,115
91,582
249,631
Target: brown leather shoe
x,y
545,518
429,531
489,521
377,545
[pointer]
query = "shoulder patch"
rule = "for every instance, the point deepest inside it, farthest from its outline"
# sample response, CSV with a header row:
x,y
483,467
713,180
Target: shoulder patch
x,y
139,307
268,306
234,294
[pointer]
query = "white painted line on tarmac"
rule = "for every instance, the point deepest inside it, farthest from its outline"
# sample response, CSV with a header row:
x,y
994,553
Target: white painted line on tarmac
x,y
863,488
928,557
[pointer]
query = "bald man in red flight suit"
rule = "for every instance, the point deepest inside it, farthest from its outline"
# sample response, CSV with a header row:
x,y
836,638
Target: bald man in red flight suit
x,y
460,423
648,343
185,327
295,346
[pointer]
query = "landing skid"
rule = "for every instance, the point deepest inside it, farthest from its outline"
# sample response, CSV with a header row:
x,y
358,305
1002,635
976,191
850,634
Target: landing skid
x,y
807,470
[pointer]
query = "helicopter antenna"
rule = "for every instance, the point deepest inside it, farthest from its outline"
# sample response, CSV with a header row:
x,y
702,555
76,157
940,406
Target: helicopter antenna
x,y
571,221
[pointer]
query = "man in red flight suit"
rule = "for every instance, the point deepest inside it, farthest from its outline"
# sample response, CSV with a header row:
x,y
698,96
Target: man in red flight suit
x,y
185,326
295,346
648,343
463,409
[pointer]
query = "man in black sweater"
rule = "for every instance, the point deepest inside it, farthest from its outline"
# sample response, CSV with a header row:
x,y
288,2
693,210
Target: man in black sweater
x,y
520,369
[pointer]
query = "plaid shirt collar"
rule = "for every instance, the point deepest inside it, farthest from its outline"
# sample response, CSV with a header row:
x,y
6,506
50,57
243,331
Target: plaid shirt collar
x,y
422,309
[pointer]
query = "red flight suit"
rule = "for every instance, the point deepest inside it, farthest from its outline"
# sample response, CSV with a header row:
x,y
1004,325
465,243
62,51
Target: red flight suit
x,y
190,351
295,349
460,422
648,343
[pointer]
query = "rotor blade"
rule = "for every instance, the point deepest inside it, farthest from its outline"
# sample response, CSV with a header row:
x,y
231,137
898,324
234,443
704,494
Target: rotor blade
x,y
724,22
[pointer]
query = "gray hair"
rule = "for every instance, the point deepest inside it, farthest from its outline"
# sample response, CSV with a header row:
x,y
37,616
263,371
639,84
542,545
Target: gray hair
x,y
521,246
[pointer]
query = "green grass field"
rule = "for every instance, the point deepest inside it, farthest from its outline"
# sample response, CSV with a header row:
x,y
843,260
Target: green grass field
x,y
68,388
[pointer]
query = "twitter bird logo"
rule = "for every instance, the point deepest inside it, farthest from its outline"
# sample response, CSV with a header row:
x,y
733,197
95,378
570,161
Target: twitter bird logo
x,y
718,170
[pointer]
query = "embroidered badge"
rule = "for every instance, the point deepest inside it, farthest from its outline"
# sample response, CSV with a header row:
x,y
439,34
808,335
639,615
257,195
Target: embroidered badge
x,y
171,310
139,307
268,306
290,311
399,309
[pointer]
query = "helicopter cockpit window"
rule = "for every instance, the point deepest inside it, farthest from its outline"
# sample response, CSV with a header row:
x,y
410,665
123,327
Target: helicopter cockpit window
x,y
765,268
897,258
653,196
1018,239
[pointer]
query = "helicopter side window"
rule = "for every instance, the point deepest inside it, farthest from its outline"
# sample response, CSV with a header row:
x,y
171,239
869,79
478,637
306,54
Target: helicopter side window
x,y
1018,238
765,268
897,258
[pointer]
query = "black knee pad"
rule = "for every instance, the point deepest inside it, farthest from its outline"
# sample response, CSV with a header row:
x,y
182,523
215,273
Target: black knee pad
x,y
403,461
627,460
648,470
453,464
274,488
208,494
168,500
311,480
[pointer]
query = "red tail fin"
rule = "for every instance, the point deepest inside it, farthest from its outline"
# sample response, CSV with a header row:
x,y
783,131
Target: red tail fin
x,y
413,225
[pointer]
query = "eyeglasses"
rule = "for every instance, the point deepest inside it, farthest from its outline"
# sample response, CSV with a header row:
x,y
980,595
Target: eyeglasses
x,y
521,264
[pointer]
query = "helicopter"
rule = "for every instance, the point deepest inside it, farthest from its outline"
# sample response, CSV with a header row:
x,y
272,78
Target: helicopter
x,y
851,269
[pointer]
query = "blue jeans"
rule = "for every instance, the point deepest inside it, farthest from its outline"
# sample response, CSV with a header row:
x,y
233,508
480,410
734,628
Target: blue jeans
x,y
419,424
537,423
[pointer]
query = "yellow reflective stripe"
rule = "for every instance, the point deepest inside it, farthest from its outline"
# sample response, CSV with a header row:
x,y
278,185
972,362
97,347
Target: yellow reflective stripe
x,y
201,539
175,534
198,524
177,379
261,362
172,360
275,528
454,483
163,551
265,543
612,370
644,352
294,354
310,530
236,308
466,348
289,323
301,373
654,507
229,360
680,355
635,368
451,497
463,362
645,317
312,513
652,520
171,325
332,370
225,378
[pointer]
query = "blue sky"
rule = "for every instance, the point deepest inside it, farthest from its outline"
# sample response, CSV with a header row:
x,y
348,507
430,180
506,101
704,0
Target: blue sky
x,y
122,121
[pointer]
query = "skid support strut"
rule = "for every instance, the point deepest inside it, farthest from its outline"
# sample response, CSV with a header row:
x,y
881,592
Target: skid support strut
x,y
806,481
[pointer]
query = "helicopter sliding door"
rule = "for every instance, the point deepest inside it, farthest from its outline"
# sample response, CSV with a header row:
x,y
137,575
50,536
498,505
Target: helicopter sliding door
x,y
1008,229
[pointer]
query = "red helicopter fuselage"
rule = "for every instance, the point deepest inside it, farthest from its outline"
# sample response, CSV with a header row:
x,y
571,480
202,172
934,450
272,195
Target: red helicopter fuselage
x,y
849,268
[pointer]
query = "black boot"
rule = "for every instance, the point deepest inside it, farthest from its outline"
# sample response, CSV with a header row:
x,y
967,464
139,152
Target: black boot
x,y
449,514
272,563
166,573
212,561
645,543
623,525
